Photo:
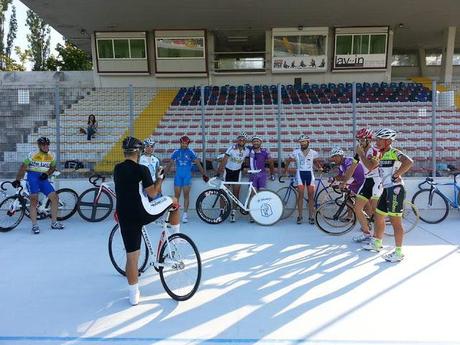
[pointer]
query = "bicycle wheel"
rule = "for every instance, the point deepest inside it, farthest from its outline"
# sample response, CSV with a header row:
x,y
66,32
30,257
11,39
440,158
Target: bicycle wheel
x,y
266,207
325,195
410,218
93,210
11,213
288,196
180,267
335,218
67,206
432,206
213,206
117,252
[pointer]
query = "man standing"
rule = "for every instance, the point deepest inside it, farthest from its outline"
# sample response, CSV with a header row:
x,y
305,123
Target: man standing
x,y
233,161
39,165
132,182
183,158
148,159
258,156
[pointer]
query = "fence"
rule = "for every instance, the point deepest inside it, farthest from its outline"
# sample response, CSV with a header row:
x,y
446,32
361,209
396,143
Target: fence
x,y
428,124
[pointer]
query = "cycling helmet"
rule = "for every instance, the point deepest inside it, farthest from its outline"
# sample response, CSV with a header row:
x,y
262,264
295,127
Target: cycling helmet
x,y
149,142
336,151
303,137
256,137
184,139
131,144
242,135
386,133
364,133
43,141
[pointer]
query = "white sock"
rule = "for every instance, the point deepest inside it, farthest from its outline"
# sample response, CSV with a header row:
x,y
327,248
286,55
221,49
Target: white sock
x,y
134,294
133,288
175,228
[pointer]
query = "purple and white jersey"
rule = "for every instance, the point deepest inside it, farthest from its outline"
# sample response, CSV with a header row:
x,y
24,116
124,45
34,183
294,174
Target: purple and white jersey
x,y
257,159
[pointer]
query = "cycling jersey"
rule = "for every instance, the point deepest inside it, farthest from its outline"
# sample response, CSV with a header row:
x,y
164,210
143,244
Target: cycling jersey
x,y
39,161
257,159
236,157
304,162
184,159
357,179
372,153
389,164
152,163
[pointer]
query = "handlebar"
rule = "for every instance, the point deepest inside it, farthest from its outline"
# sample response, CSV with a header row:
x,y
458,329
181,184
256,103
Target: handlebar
x,y
282,179
93,179
254,171
2,186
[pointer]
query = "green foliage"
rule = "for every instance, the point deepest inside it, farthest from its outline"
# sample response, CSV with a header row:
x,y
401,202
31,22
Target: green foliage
x,y
71,58
12,30
39,41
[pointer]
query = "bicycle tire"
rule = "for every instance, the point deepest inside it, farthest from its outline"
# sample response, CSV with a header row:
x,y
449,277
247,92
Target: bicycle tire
x,y
213,213
180,266
6,214
91,211
288,196
332,211
410,219
68,201
117,252
325,195
434,213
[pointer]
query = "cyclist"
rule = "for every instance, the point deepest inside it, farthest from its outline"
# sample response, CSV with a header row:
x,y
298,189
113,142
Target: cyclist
x,y
305,159
39,165
351,174
369,193
183,158
148,159
233,162
393,165
133,183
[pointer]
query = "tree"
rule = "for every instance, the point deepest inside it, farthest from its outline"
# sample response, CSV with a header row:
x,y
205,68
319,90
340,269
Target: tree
x,y
12,30
3,8
70,58
39,40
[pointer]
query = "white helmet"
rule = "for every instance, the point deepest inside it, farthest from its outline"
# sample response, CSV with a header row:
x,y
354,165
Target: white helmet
x,y
242,135
303,137
149,142
386,133
256,137
336,151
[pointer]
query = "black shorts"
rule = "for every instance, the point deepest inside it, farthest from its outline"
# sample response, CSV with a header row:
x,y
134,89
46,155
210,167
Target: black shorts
x,y
232,175
131,230
391,202
371,189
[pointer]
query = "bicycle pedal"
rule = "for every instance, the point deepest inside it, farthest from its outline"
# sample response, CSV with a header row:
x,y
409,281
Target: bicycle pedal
x,y
10,213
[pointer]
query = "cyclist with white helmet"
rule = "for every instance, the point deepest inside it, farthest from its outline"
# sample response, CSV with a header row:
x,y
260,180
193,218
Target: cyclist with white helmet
x,y
369,193
258,157
305,160
393,165
39,165
351,174
148,159
232,162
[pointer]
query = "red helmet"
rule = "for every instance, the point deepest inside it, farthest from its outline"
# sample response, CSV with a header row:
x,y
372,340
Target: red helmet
x,y
364,133
184,139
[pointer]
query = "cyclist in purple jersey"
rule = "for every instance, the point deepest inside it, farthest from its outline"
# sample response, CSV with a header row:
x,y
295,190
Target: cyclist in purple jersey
x,y
350,172
257,158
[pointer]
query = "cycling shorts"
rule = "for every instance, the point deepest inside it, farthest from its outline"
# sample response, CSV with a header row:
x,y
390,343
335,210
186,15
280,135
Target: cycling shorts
x,y
232,175
183,180
371,189
304,178
35,185
391,202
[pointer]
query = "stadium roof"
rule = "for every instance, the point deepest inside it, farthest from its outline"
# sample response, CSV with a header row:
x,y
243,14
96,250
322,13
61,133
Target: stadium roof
x,y
422,20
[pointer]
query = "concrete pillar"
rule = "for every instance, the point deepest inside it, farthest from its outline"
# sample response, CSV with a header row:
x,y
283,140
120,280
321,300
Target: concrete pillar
x,y
448,54
422,62
389,56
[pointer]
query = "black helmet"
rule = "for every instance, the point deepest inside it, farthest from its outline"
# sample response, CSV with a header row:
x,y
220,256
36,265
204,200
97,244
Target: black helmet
x,y
131,144
43,141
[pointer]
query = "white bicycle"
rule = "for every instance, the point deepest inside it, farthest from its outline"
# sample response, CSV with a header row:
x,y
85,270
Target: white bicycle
x,y
214,205
176,259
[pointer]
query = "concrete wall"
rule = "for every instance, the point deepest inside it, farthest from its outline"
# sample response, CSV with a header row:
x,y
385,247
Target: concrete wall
x,y
79,79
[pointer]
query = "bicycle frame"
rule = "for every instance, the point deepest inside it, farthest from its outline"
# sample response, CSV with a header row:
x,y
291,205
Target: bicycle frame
x,y
453,203
106,187
320,182
227,191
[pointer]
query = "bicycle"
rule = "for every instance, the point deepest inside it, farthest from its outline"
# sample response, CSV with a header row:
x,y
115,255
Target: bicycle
x,y
434,204
18,204
214,205
95,204
337,217
177,259
290,194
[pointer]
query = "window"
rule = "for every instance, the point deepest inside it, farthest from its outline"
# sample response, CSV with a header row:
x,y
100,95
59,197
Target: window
x,y
356,44
404,58
125,48
23,97
433,57
378,44
360,44
312,45
180,48
343,45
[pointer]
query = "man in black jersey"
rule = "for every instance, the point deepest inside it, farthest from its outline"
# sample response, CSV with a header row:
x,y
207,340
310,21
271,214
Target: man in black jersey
x,y
133,186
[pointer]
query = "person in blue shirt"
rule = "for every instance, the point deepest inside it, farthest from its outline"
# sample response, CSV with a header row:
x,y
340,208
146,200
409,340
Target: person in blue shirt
x,y
183,158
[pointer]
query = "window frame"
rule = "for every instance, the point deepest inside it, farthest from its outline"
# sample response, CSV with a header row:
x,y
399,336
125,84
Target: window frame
x,y
203,38
114,58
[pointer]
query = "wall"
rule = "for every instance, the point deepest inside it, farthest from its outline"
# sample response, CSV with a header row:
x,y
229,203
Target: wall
x,y
80,79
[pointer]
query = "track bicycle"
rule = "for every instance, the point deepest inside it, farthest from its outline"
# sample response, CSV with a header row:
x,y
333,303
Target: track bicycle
x,y
214,205
337,217
176,259
14,207
95,204
433,204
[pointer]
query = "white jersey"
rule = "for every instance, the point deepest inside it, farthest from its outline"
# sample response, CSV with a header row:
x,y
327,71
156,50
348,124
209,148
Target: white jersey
x,y
236,157
372,153
152,163
304,162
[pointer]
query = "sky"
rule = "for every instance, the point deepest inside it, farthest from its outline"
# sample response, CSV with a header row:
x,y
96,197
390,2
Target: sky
x,y
21,39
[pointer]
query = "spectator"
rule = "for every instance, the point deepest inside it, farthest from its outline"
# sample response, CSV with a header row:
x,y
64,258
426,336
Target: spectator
x,y
92,127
